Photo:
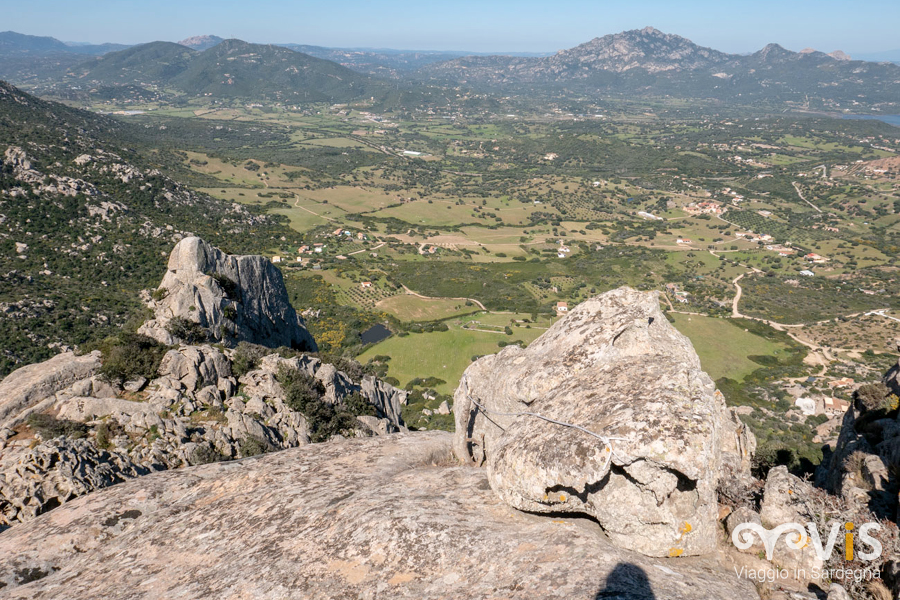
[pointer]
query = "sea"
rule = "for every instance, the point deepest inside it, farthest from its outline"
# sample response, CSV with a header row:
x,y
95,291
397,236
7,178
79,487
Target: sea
x,y
890,119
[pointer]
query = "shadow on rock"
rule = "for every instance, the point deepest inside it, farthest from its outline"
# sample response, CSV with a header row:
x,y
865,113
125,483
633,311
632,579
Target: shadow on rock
x,y
626,582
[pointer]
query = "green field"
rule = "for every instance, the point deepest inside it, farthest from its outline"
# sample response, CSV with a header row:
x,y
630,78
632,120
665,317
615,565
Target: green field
x,y
442,354
723,347
413,308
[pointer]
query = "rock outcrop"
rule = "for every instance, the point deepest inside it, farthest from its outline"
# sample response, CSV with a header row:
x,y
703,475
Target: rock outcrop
x,y
863,465
190,414
613,367
311,523
232,298
22,390
57,471
892,377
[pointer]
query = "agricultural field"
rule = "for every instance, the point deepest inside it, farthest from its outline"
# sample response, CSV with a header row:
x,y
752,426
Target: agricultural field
x,y
724,347
412,308
521,213
443,354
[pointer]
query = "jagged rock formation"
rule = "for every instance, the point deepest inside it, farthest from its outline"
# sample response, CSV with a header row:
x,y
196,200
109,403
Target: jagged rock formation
x,y
892,377
196,411
863,465
311,523
234,298
616,367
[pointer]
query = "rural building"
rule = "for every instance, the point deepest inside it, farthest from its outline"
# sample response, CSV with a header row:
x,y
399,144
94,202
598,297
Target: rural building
x,y
366,284
807,273
683,241
842,382
835,407
562,307
276,259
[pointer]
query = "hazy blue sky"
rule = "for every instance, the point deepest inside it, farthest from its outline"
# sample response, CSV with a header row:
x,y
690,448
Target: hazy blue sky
x,y
522,25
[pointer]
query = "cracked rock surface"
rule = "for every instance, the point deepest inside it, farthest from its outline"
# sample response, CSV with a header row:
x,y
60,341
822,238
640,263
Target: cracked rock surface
x,y
616,367
386,517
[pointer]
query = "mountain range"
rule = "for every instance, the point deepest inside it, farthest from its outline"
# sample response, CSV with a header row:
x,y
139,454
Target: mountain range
x,y
650,62
12,43
637,63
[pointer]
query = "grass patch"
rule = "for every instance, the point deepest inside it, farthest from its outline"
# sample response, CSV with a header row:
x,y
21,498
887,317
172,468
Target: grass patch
x,y
724,348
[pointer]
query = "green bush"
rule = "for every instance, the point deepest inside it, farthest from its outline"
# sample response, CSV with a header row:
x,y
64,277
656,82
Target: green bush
x,y
246,358
106,431
253,446
51,427
229,287
303,393
875,396
205,454
130,355
187,330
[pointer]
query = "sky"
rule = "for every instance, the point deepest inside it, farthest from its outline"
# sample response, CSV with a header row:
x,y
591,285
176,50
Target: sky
x,y
863,26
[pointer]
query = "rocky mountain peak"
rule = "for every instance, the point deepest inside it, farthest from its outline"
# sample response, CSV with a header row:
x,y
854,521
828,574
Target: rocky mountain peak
x,y
201,42
648,49
208,294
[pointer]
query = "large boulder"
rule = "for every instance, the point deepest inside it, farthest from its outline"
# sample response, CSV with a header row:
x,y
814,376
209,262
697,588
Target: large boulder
x,y
641,436
23,390
385,517
788,499
234,298
195,366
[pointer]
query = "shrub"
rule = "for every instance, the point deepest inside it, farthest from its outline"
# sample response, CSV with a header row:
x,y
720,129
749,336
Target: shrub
x,y
229,287
106,431
768,456
303,393
875,396
205,454
253,446
130,355
246,357
187,330
51,427
229,312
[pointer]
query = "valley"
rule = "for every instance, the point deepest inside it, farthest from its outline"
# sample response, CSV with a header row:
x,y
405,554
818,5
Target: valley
x,y
465,232
653,287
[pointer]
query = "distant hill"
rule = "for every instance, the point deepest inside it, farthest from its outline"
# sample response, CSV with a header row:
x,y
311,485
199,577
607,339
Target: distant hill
x,y
238,69
231,69
201,42
12,43
386,62
154,63
650,62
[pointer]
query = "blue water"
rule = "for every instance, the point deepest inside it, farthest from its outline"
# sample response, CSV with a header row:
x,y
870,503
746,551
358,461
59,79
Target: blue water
x,y
375,334
890,119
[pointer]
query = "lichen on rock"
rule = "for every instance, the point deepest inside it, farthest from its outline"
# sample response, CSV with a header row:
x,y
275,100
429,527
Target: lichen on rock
x,y
615,367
